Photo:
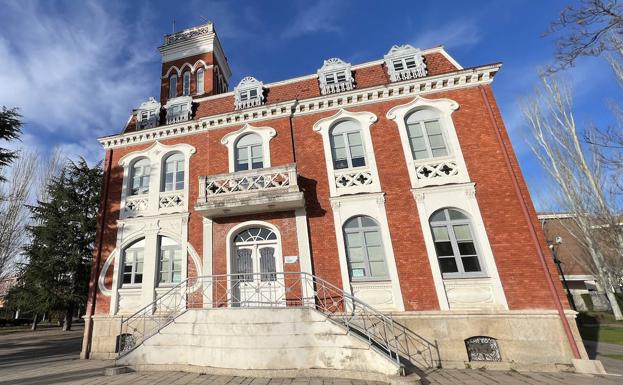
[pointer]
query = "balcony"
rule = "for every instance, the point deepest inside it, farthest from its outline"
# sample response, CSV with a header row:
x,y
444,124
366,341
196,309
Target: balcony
x,y
252,191
438,171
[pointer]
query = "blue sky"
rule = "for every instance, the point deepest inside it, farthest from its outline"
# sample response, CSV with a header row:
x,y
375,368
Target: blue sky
x,y
77,68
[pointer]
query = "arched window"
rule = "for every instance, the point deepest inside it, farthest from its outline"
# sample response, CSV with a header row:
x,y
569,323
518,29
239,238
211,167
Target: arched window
x,y
200,78
347,145
139,177
425,135
249,154
454,243
364,249
173,172
172,86
133,263
186,83
169,261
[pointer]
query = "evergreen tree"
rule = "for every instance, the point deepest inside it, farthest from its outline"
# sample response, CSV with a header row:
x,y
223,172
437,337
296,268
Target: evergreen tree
x,y
10,129
56,275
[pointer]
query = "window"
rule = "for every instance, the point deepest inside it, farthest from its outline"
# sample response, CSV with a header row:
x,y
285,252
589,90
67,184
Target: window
x,y
139,179
248,93
454,244
249,153
200,78
335,77
133,263
425,135
169,261
364,249
347,145
186,84
404,62
173,172
172,86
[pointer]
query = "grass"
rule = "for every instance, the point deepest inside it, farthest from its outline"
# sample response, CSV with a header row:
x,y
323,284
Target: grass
x,y
25,328
615,356
600,327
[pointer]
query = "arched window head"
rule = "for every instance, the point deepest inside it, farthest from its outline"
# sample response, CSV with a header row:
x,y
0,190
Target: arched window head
x,y
425,134
173,178
139,177
249,153
133,257
169,261
454,243
364,249
172,86
200,79
186,83
347,145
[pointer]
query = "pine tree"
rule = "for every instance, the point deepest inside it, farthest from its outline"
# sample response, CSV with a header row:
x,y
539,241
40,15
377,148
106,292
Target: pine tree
x,y
10,129
56,275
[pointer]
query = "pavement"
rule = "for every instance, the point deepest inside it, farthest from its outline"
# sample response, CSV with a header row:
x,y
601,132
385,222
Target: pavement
x,y
49,357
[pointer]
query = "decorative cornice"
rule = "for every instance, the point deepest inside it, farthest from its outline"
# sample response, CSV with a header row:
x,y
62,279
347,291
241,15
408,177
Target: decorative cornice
x,y
420,101
362,116
155,149
431,84
248,128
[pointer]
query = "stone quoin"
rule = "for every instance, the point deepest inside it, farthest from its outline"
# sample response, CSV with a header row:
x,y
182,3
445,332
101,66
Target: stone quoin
x,y
382,195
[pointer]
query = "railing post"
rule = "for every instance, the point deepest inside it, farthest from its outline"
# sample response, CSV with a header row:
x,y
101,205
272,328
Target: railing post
x,y
202,188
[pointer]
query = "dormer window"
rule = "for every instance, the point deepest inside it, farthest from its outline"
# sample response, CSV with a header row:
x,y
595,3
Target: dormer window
x,y
148,114
335,76
179,109
249,93
172,86
405,62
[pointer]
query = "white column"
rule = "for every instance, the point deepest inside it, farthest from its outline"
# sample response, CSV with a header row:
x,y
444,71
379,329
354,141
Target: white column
x,y
150,266
207,259
302,236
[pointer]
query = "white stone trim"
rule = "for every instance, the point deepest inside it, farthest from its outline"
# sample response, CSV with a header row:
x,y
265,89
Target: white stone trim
x,y
247,84
101,284
401,53
302,237
463,197
364,120
445,108
431,84
156,153
229,140
372,205
331,67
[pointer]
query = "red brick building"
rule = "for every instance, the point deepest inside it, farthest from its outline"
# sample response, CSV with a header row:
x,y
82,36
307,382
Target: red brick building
x,y
392,180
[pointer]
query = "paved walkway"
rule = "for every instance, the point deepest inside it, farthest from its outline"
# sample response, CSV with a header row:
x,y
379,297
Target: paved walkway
x,y
51,357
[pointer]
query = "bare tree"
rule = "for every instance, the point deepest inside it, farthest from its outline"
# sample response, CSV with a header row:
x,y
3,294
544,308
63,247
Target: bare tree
x,y
586,30
581,182
14,213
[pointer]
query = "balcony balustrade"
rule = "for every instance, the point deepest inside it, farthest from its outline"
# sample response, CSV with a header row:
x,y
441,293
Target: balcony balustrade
x,y
250,191
437,171
136,205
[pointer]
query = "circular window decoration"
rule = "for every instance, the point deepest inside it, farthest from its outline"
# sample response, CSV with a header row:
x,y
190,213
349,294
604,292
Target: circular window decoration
x,y
255,234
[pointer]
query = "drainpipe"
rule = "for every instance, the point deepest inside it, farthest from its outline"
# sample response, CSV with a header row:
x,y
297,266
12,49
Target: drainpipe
x,y
292,111
95,270
533,234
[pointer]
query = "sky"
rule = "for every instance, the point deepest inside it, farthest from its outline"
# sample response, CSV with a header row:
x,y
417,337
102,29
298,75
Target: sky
x,y
76,69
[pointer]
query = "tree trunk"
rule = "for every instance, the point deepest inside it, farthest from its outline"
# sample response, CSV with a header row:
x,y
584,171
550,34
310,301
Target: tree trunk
x,y
34,322
616,310
69,314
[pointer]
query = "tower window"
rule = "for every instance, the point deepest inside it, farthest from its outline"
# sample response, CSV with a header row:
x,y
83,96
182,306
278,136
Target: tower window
x,y
172,86
186,84
200,79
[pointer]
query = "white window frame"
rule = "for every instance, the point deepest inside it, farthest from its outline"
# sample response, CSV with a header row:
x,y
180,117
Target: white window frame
x,y
450,291
244,89
248,148
329,73
371,205
444,108
344,133
400,54
200,82
148,114
361,230
172,90
230,140
134,264
365,120
176,255
144,171
165,162
155,153
186,83
421,122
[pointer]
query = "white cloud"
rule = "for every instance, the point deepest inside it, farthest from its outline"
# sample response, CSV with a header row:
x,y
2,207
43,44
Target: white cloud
x,y
75,72
312,18
454,34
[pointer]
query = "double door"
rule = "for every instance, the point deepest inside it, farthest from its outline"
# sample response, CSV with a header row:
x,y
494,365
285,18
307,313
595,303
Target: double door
x,y
255,281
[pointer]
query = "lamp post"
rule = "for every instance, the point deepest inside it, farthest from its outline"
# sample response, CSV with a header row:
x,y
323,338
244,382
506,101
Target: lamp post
x,y
553,245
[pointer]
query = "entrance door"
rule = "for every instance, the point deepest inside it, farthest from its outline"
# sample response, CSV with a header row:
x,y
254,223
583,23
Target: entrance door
x,y
254,264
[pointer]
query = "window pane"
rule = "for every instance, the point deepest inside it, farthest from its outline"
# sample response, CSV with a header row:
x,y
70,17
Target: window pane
x,y
356,151
165,277
127,278
138,278
340,164
439,152
378,269
367,222
373,238
467,248
455,214
200,76
418,144
462,232
443,249
470,264
440,234
359,162
354,139
179,185
410,62
353,239
127,268
355,254
375,253
398,65
432,127
357,271
448,265
439,216
436,141
420,154
177,277
414,130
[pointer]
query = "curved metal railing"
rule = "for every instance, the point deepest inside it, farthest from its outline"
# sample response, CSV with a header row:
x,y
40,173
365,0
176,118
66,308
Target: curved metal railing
x,y
287,289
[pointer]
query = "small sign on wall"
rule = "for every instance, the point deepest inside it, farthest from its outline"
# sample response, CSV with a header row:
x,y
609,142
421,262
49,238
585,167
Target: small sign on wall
x,y
291,258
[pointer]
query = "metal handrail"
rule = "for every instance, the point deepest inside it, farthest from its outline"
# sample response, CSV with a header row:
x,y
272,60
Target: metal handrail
x,y
279,290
